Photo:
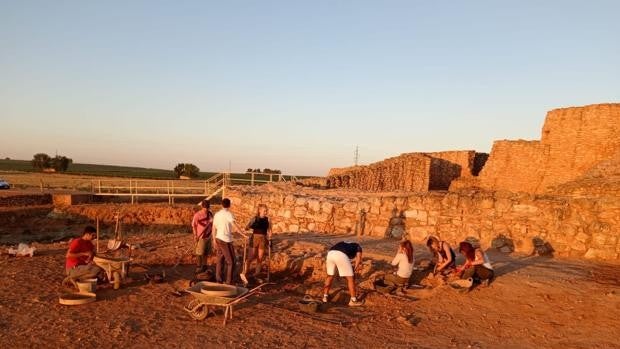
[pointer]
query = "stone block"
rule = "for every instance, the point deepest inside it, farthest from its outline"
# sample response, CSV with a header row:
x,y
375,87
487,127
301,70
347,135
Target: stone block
x,y
314,205
486,203
327,207
582,237
578,246
293,228
350,207
525,209
300,212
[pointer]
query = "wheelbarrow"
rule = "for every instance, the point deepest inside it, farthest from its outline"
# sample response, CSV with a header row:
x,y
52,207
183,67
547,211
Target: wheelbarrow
x,y
210,295
116,269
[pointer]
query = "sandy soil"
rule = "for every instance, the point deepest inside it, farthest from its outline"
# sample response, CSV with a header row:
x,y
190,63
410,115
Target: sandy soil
x,y
534,303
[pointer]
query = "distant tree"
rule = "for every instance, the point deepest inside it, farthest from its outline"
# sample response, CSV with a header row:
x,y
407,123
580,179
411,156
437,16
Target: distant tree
x,y
41,161
249,170
257,170
187,170
60,163
270,171
7,158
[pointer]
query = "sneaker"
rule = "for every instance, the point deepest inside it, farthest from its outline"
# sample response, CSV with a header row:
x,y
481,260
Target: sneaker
x,y
355,303
325,300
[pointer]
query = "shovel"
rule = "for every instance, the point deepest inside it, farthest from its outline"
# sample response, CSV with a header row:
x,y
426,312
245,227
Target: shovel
x,y
268,259
245,256
115,244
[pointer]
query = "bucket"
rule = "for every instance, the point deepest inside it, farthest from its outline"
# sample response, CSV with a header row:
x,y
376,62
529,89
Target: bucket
x,y
87,285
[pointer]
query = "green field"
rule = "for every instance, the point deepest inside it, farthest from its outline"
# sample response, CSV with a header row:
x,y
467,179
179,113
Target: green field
x,y
123,171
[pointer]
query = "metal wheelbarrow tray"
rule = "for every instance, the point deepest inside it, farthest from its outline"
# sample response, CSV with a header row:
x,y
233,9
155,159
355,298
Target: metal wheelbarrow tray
x,y
116,269
203,304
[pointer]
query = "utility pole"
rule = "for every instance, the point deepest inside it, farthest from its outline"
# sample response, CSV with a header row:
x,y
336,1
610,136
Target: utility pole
x,y
356,155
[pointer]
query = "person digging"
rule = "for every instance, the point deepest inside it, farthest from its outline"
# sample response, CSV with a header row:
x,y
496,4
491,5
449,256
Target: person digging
x,y
340,256
202,224
79,257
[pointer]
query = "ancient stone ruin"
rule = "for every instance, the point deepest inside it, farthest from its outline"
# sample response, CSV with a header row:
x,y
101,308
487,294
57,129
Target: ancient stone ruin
x,y
414,172
573,142
559,195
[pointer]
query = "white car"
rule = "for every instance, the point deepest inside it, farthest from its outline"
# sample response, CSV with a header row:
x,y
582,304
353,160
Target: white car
x,y
4,184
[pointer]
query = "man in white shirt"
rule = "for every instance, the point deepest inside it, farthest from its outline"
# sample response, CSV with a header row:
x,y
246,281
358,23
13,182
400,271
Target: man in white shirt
x,y
223,227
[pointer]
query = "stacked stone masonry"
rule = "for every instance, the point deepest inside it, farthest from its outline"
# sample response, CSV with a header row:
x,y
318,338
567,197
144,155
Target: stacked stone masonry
x,y
414,172
573,227
574,141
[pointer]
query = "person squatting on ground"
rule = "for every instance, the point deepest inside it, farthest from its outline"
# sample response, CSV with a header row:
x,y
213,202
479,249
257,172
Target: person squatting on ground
x,y
404,261
477,264
339,256
261,237
202,224
223,227
445,258
80,255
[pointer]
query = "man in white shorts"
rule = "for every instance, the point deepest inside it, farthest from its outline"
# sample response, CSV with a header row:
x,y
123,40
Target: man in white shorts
x,y
340,256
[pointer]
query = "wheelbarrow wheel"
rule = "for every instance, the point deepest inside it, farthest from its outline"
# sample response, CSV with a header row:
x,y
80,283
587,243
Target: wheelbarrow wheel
x,y
116,277
200,312
197,310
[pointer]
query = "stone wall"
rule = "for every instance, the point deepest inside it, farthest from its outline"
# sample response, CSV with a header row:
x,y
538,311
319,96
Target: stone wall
x,y
573,141
415,172
407,172
515,166
584,228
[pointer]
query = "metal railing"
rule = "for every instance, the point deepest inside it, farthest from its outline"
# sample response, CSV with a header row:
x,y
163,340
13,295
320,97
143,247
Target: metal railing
x,y
180,188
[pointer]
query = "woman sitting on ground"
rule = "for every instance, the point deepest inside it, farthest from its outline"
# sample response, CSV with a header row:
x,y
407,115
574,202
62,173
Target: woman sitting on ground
x,y
444,255
404,261
477,264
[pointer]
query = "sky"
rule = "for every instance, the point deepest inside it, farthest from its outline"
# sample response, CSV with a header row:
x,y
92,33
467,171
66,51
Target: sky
x,y
293,85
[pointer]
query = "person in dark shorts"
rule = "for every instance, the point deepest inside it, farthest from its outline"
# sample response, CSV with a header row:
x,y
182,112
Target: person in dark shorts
x,y
261,237
202,224
339,257
444,255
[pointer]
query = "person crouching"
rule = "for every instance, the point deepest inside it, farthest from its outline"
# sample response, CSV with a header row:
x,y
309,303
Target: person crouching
x,y
79,258
477,264
404,261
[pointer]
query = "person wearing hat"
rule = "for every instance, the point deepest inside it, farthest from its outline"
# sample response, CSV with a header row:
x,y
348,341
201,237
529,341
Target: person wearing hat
x,y
202,224
79,258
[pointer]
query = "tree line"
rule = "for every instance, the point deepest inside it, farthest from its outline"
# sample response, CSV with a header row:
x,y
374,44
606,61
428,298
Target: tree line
x,y
266,171
58,163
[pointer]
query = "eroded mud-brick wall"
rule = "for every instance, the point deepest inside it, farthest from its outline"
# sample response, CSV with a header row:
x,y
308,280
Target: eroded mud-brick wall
x,y
573,141
576,227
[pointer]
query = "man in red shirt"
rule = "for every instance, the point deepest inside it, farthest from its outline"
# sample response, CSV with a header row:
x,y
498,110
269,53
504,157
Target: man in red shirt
x,y
80,256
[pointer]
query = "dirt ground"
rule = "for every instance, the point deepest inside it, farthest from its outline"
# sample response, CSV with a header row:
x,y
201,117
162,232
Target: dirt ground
x,y
535,302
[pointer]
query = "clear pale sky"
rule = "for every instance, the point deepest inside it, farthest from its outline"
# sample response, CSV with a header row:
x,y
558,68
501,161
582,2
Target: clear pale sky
x,y
293,85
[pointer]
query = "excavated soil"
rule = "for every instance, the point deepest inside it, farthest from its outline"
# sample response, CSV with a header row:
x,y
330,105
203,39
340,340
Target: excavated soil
x,y
535,302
